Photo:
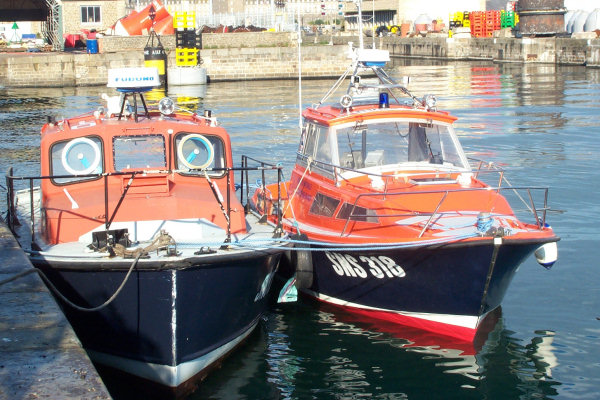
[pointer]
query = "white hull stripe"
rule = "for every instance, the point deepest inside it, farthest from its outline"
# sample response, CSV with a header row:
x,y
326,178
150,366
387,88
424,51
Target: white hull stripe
x,y
465,321
166,374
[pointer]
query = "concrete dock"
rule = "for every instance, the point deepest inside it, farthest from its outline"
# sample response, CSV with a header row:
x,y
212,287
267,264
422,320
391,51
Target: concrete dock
x,y
40,355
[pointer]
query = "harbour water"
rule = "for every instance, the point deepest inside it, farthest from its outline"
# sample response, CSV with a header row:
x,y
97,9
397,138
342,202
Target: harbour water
x,y
540,122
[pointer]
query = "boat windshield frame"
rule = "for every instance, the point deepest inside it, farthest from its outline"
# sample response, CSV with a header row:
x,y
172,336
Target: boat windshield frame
x,y
323,145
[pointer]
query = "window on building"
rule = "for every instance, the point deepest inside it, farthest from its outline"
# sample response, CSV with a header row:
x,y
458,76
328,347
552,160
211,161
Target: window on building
x,y
90,14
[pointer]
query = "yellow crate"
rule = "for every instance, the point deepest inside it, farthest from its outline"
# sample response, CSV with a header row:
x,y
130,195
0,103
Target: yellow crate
x,y
184,20
457,16
186,57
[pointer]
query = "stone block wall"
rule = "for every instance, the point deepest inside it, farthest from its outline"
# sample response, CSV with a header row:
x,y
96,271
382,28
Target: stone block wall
x,y
62,69
593,53
248,39
529,50
81,69
249,63
274,63
238,40
573,51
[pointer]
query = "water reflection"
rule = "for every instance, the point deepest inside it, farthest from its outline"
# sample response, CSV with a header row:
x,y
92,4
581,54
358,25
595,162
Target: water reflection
x,y
345,357
189,97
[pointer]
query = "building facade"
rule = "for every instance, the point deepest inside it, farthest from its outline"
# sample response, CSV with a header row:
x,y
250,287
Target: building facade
x,y
100,15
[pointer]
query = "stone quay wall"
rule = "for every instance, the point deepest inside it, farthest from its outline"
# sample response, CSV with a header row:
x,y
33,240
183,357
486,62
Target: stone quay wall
x,y
228,64
565,51
268,55
110,44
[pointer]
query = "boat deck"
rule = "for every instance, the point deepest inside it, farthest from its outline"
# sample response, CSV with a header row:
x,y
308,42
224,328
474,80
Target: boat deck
x,y
201,239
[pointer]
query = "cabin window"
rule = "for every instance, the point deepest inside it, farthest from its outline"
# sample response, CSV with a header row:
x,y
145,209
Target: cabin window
x,y
356,213
323,148
450,149
309,136
315,143
139,152
195,153
324,205
79,156
363,146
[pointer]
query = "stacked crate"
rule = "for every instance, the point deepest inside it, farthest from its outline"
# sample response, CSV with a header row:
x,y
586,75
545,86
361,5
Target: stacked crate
x,y
507,19
456,19
478,24
466,19
483,23
492,22
187,42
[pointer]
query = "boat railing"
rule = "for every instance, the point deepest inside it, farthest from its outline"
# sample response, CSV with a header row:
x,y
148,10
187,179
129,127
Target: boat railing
x,y
261,183
535,211
13,222
479,169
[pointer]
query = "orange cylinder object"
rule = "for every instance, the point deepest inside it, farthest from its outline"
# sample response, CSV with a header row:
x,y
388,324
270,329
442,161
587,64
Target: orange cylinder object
x,y
138,22
404,29
165,26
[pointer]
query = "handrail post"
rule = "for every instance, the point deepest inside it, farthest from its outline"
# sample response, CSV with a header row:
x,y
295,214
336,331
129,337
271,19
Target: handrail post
x,y
264,188
228,239
351,214
31,210
106,224
537,218
433,214
247,182
11,218
545,207
279,211
9,203
242,182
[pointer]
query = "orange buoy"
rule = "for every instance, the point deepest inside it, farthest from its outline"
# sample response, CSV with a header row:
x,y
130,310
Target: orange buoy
x,y
138,22
165,26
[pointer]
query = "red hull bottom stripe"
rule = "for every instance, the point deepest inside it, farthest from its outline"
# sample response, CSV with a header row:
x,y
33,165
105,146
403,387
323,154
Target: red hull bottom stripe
x,y
441,328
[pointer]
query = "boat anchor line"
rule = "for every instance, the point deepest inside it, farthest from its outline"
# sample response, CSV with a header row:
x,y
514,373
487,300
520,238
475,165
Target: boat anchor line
x,y
55,290
306,245
161,242
497,244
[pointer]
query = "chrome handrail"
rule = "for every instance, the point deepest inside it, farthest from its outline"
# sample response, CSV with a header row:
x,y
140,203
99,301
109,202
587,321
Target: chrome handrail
x,y
540,222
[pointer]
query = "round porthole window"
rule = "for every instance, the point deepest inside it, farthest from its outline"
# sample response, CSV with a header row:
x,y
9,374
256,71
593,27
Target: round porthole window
x,y
195,152
81,156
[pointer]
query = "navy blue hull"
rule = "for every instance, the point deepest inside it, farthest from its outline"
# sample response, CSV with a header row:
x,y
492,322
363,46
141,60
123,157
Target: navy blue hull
x,y
167,316
442,280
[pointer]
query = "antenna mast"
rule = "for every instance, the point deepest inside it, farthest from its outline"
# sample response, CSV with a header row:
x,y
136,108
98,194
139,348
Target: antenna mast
x,y
360,27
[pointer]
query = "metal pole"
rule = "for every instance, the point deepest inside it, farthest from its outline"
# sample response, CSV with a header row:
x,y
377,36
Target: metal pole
x,y
106,202
228,240
31,210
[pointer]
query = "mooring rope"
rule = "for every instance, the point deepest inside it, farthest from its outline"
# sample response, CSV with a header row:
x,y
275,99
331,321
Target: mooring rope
x,y
308,245
55,290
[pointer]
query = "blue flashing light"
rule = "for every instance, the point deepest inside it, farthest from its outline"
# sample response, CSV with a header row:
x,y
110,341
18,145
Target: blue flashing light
x,y
384,100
